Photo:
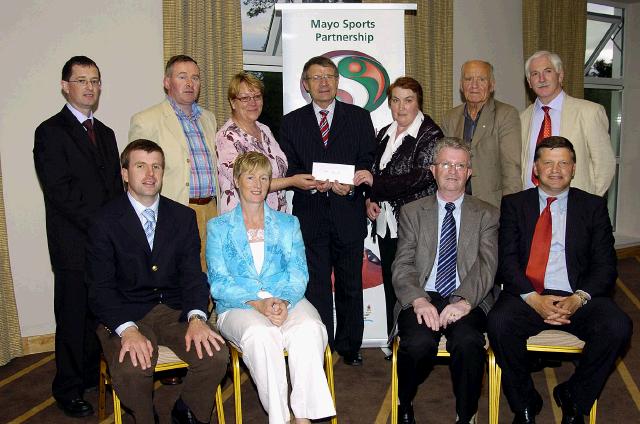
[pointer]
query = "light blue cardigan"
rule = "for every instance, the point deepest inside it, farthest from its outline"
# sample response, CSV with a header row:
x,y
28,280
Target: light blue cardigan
x,y
232,274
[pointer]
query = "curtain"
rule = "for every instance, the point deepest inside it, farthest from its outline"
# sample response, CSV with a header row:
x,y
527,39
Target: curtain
x,y
558,26
211,33
429,52
10,342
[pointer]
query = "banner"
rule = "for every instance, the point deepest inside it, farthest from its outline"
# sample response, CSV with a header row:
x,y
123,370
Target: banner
x,y
366,42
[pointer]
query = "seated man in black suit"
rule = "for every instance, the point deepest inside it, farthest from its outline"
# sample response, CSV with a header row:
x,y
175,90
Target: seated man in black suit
x,y
558,266
146,287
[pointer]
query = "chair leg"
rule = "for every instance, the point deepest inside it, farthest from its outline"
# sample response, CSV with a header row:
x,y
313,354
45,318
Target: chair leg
x,y
592,414
117,412
235,363
495,380
328,369
220,405
394,382
102,393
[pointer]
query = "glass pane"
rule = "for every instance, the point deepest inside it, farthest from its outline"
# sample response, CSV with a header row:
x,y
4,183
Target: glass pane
x,y
272,106
257,17
599,8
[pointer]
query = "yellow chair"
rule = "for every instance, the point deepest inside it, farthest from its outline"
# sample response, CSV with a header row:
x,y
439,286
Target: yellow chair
x,y
442,352
167,360
236,354
547,341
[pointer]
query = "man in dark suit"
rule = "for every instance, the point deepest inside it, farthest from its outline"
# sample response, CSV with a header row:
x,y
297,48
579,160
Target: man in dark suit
x,y
146,287
76,159
443,276
332,215
558,266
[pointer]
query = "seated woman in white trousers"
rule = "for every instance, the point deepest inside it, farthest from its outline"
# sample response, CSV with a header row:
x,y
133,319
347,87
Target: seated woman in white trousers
x,y
258,275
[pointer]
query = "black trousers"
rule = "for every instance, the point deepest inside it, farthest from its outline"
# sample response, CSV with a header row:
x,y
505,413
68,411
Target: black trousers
x,y
419,347
388,247
76,344
603,327
327,252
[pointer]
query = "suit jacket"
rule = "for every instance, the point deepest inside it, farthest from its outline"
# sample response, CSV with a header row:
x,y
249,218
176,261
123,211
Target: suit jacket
x,y
351,142
77,178
496,148
589,243
159,123
126,279
477,248
586,126
233,277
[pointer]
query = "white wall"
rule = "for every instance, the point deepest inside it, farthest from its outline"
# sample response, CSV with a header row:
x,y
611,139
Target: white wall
x,y
125,40
490,30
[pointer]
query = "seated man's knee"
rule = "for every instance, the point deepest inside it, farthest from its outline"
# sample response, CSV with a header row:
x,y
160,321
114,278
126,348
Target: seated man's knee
x,y
419,346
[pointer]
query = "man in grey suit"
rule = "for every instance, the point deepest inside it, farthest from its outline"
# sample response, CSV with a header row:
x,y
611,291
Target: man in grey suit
x,y
443,276
493,130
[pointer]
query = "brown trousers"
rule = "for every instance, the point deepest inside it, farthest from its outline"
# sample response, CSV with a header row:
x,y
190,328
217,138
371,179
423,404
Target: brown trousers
x,y
135,386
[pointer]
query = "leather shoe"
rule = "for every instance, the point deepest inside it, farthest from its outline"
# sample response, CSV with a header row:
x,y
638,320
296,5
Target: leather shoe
x,y
181,414
353,359
75,408
405,414
570,413
528,414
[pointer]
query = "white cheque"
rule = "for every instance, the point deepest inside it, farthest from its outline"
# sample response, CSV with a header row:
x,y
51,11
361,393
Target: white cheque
x,y
333,172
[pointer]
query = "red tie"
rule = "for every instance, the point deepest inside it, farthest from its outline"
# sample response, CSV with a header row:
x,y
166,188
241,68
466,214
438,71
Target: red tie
x,y
324,127
545,131
540,245
90,132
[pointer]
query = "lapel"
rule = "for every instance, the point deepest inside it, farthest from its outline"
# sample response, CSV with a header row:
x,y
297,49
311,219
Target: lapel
x,y
130,222
309,121
487,116
531,210
241,242
78,134
172,122
568,118
573,226
271,239
337,123
164,228
458,123
468,225
429,217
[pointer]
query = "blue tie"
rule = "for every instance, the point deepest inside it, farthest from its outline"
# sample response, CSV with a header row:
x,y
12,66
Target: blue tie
x,y
446,273
150,225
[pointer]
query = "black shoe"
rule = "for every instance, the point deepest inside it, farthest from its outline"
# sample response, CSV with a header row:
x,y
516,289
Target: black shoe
x,y
570,413
405,414
75,408
528,415
353,359
181,414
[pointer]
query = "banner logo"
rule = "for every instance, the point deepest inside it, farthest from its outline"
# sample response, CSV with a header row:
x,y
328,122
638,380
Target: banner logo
x,y
363,79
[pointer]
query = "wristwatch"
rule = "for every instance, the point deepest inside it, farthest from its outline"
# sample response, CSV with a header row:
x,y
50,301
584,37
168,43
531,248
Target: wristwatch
x,y
198,317
584,297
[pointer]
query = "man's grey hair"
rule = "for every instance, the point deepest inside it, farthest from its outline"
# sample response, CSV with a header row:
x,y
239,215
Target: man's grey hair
x,y
484,62
452,143
553,58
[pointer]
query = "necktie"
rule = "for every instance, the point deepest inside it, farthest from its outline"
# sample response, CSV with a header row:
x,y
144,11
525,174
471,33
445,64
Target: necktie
x,y
324,127
90,132
545,131
446,273
150,225
540,245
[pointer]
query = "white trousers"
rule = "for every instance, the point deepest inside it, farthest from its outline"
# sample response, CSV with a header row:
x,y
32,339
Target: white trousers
x,y
304,337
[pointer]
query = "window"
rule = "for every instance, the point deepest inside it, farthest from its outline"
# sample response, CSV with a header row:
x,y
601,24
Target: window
x,y
604,79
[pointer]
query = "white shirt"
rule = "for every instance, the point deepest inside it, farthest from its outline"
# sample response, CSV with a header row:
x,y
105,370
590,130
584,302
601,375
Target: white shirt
x,y
431,281
387,218
331,108
81,117
555,112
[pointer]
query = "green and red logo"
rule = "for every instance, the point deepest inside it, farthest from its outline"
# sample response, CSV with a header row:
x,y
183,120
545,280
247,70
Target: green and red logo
x,y
363,79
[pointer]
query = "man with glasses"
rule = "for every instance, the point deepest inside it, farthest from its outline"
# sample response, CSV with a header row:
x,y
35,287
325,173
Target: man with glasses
x,y
332,215
186,132
76,159
443,276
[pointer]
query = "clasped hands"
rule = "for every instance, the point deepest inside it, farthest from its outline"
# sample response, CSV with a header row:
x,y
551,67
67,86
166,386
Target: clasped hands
x,y
428,314
273,308
554,310
140,348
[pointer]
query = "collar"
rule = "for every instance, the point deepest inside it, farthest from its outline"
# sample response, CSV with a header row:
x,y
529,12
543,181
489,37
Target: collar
x,y
555,104
139,207
81,117
330,108
467,116
543,195
413,129
442,202
196,110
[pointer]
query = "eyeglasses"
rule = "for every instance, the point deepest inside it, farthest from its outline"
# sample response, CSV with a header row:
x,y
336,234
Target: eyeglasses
x,y
318,78
456,166
247,99
85,82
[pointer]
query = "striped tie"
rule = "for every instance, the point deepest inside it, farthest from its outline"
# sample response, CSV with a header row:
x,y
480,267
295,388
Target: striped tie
x,y
324,127
446,273
150,225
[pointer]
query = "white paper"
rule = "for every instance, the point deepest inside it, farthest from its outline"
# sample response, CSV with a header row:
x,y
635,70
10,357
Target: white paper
x,y
333,172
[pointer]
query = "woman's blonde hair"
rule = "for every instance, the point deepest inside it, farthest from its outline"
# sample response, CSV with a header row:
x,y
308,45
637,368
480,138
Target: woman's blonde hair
x,y
249,162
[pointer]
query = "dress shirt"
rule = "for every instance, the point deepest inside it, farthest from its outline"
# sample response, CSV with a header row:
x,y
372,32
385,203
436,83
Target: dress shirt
x,y
431,281
387,218
331,108
202,182
555,112
470,124
81,117
139,208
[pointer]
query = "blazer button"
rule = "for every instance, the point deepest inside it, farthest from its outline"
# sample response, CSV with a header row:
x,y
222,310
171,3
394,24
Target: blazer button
x,y
154,268
188,160
187,184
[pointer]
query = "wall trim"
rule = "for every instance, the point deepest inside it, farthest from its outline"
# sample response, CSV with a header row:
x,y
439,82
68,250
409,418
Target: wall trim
x,y
38,344
628,252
